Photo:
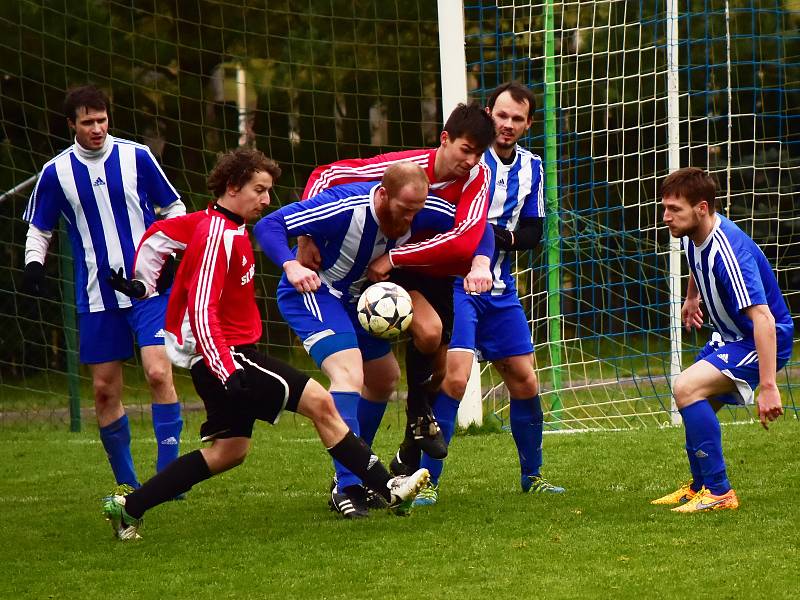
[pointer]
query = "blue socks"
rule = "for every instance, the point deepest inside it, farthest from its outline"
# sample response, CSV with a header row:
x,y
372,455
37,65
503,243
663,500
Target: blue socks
x,y
167,425
445,409
694,465
347,406
704,434
527,424
116,438
370,415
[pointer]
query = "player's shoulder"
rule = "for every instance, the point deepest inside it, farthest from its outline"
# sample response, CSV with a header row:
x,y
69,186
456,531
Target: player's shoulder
x,y
730,234
359,190
130,143
65,154
435,203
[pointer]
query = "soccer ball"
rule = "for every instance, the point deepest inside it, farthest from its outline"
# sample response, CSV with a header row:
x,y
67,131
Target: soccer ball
x,y
384,310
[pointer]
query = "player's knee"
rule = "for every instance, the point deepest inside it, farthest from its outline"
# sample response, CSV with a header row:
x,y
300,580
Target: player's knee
x,y
106,391
318,404
682,390
427,342
158,375
384,385
524,386
455,386
346,376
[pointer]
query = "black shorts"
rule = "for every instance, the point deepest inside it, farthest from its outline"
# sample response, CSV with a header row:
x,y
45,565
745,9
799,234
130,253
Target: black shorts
x,y
436,290
275,387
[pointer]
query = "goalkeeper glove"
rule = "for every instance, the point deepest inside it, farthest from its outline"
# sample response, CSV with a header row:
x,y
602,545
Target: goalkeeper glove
x,y
33,279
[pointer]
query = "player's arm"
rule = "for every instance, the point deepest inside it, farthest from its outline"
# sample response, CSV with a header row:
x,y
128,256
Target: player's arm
x,y
42,214
454,248
526,237
691,313
764,335
479,279
205,289
159,189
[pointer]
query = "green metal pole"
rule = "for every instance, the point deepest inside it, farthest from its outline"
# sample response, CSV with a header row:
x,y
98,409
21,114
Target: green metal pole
x,y
70,331
553,242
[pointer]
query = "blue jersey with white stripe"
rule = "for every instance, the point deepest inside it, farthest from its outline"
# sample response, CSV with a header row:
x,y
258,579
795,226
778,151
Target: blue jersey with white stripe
x,y
733,274
107,204
516,192
342,222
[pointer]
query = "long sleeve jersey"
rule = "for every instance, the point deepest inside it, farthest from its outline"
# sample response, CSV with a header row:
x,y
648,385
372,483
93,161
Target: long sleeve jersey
x,y
212,305
446,253
342,221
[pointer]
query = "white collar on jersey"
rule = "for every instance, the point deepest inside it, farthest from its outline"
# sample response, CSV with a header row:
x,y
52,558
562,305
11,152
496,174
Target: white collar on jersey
x,y
93,154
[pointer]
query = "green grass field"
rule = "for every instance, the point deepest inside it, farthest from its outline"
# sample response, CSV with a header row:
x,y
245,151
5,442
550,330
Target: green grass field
x,y
264,531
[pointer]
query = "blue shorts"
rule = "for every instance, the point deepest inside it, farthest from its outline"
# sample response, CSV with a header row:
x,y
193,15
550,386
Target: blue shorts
x,y
107,335
325,325
738,361
494,326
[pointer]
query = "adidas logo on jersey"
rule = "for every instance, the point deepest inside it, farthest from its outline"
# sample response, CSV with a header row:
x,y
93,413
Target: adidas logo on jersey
x,y
98,182
170,441
244,260
501,183
723,358
160,333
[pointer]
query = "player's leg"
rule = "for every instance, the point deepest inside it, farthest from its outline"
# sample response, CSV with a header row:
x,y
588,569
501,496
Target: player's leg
x,y
691,389
106,341
350,450
381,375
147,321
527,420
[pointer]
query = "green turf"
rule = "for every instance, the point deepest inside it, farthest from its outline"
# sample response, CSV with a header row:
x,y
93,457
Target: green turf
x,y
264,531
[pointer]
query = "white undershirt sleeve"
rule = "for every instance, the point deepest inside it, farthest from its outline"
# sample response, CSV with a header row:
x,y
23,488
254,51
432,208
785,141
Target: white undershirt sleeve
x,y
36,244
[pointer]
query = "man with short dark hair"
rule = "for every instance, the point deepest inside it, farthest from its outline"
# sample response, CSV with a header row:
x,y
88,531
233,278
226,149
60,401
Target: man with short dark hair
x,y
212,327
107,190
751,341
516,214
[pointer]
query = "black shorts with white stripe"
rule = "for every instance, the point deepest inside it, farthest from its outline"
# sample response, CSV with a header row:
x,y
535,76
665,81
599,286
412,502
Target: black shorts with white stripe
x,y
274,387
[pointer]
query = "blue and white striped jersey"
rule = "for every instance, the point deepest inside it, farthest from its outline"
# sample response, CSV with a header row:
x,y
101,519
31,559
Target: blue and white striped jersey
x,y
733,274
516,192
107,203
342,222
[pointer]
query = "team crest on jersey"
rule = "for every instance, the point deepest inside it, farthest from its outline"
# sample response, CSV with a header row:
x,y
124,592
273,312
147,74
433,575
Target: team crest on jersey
x,y
98,182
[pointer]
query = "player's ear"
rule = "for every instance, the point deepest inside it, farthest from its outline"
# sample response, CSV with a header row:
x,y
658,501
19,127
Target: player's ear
x,y
443,138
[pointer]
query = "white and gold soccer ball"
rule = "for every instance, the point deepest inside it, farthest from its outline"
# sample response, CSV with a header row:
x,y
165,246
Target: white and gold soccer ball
x,y
384,309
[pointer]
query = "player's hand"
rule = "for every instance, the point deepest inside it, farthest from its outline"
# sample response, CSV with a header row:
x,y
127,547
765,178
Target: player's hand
x,y
691,314
769,405
130,287
237,387
479,278
303,279
308,253
33,280
167,275
379,269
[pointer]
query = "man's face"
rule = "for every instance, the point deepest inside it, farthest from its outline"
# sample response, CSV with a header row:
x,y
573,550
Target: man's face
x,y
459,155
253,197
396,213
681,217
91,127
511,120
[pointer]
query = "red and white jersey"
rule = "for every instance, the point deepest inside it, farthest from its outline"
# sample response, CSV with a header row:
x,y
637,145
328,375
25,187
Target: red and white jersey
x,y
212,304
448,253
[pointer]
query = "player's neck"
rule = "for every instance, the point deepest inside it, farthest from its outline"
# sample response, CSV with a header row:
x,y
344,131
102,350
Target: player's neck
x,y
219,206
93,154
704,229
505,154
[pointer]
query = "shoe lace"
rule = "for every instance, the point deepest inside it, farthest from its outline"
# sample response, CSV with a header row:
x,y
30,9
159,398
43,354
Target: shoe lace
x,y
429,492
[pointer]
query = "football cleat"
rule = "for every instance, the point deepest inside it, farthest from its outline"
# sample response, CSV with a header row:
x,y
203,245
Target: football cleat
x,y
428,496
404,489
704,501
125,526
347,502
428,436
122,489
536,484
406,461
679,496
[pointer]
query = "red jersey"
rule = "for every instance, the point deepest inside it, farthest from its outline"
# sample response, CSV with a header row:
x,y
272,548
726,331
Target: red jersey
x,y
212,305
448,253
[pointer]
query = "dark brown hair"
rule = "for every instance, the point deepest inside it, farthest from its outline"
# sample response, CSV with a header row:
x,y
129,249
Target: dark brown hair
x,y
472,122
87,96
518,92
691,183
237,167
